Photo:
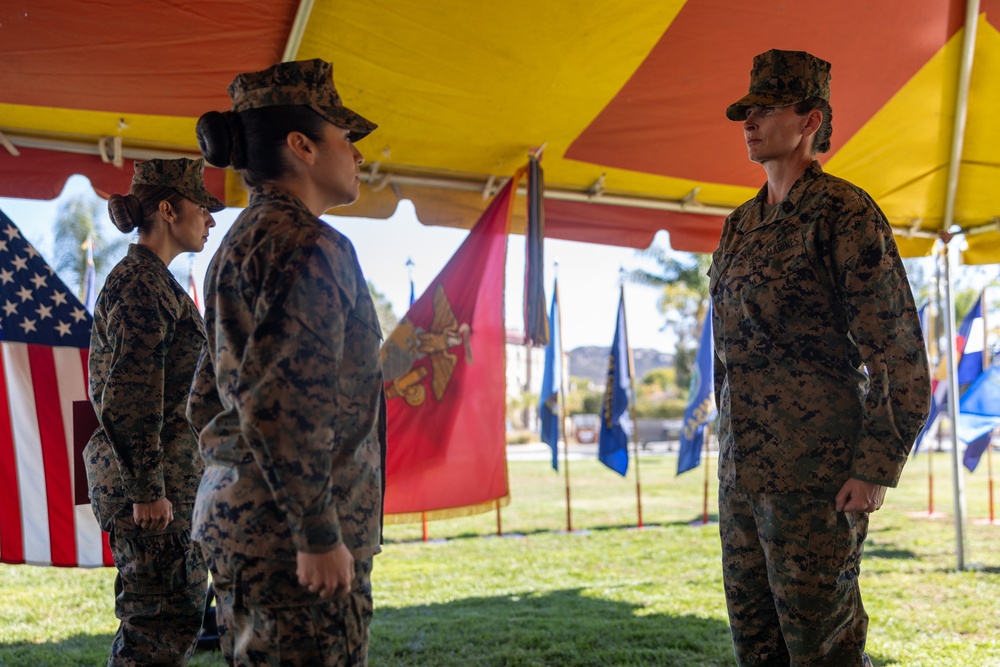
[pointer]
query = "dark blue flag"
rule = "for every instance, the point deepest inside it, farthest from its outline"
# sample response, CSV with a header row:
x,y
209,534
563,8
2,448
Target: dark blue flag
x,y
701,402
616,424
548,398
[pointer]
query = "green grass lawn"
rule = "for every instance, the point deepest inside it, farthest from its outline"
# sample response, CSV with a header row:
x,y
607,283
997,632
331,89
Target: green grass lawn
x,y
605,595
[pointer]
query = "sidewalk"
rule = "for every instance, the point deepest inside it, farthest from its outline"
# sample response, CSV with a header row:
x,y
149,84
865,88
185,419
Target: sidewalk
x,y
539,451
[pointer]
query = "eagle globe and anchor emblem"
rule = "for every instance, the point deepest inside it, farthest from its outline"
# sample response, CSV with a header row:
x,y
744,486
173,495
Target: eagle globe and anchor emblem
x,y
409,344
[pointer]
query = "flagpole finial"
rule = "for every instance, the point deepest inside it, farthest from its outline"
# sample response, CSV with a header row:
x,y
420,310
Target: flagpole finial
x,y
409,266
536,153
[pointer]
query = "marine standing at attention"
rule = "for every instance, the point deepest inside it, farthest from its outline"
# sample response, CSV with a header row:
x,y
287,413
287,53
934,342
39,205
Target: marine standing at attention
x,y
143,465
289,510
821,379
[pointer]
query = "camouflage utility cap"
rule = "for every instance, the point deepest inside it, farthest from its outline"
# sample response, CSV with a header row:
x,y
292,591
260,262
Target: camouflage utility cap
x,y
304,82
780,78
184,175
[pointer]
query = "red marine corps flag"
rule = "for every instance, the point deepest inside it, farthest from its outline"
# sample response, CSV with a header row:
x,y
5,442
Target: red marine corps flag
x,y
445,383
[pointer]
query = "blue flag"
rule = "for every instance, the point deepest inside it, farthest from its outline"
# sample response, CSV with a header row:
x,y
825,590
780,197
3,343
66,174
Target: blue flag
x,y
701,402
616,424
548,398
979,414
970,344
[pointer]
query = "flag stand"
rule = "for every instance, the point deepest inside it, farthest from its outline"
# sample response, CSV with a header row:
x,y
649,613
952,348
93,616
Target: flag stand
x,y
704,504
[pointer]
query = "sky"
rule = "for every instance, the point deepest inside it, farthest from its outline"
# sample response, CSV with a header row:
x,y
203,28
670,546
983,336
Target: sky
x,y
588,273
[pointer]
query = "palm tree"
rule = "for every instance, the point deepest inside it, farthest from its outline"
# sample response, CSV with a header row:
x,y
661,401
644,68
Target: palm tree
x,y
76,225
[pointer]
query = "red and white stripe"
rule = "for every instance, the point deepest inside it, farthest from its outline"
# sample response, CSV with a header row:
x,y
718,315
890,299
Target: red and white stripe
x,y
39,524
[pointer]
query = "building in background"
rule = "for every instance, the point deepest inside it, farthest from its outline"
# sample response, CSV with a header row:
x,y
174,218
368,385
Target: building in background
x,y
525,366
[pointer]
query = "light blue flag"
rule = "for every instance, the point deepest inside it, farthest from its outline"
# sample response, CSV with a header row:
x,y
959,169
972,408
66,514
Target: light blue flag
x,y
616,424
548,399
701,402
979,414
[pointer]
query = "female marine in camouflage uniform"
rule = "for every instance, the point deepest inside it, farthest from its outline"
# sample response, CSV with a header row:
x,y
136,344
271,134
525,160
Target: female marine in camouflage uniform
x,y
142,463
288,512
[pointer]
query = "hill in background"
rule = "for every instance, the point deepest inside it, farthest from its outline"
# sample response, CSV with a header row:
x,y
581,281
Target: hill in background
x,y
591,362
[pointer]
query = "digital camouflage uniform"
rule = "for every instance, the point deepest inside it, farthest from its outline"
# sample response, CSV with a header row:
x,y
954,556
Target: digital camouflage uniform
x,y
144,347
807,296
295,457
801,300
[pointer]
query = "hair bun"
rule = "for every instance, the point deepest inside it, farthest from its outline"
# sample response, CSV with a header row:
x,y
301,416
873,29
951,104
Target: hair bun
x,y
220,139
125,211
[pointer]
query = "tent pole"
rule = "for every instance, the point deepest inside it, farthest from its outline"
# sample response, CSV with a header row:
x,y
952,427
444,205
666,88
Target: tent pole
x,y
298,29
954,167
958,483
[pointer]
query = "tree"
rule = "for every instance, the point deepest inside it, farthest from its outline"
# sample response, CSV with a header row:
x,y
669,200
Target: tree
x,y
683,300
76,222
383,308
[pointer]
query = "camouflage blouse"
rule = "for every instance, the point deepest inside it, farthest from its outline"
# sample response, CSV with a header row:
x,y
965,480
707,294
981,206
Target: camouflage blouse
x,y
820,370
292,413
144,347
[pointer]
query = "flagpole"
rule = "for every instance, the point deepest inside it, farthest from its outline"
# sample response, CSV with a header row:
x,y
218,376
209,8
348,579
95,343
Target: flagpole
x,y
986,365
934,313
635,422
499,523
562,407
989,475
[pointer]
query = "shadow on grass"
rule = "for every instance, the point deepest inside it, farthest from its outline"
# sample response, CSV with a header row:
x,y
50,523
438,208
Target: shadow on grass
x,y
889,553
78,651
713,522
565,628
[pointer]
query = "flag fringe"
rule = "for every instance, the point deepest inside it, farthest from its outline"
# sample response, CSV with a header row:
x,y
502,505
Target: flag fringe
x,y
448,512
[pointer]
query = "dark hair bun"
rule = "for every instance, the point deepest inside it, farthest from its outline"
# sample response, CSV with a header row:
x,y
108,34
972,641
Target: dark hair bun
x,y
125,211
219,139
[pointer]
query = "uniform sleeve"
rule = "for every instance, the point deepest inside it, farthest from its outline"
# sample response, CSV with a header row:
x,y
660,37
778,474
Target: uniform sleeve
x,y
203,401
132,398
287,390
883,322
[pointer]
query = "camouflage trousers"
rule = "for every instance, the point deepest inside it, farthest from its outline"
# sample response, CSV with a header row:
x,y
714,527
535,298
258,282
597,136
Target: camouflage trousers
x,y
160,592
790,565
267,619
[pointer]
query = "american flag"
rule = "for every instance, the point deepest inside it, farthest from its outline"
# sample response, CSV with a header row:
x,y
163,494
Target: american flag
x,y
45,341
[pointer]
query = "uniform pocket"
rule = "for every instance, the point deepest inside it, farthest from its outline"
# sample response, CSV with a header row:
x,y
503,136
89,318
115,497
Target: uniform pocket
x,y
104,481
